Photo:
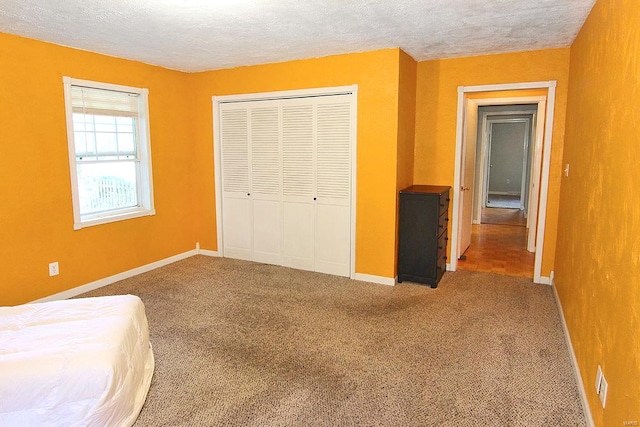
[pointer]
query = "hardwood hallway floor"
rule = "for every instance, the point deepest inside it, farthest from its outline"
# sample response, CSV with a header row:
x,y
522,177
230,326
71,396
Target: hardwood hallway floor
x,y
499,246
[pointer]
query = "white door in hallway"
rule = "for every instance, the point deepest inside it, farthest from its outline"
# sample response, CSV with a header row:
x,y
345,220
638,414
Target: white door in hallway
x,y
467,173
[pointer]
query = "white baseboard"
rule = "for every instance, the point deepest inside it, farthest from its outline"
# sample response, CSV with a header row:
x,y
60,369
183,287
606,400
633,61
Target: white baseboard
x,y
574,361
543,280
207,252
389,281
117,277
504,193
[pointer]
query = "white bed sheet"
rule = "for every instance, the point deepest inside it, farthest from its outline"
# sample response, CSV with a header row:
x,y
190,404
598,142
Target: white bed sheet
x,y
81,362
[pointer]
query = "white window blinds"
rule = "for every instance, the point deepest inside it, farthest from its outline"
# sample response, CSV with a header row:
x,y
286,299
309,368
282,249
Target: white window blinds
x,y
94,101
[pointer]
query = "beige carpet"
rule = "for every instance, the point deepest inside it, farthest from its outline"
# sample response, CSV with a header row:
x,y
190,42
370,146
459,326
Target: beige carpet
x,y
244,344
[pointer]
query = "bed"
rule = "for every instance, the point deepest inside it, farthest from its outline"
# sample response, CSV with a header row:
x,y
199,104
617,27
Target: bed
x,y
80,362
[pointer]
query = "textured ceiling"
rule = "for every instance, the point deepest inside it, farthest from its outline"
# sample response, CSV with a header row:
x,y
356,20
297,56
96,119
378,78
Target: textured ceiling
x,y
197,35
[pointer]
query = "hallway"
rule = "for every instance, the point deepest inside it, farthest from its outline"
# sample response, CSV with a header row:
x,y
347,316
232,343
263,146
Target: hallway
x,y
498,245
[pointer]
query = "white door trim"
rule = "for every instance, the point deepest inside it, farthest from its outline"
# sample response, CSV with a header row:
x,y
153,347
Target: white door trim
x,y
288,94
546,158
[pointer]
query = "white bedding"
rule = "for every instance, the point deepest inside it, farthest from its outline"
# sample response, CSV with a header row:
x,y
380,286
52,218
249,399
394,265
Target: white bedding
x,y
82,362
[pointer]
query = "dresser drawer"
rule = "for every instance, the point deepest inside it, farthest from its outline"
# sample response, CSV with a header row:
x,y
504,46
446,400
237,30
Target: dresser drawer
x,y
444,202
441,267
443,221
442,245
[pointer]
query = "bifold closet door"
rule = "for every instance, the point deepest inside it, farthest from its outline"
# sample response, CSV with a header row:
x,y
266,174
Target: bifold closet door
x,y
286,171
316,150
252,214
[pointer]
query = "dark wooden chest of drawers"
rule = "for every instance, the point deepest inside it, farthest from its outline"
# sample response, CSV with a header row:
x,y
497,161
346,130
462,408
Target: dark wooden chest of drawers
x,y
422,246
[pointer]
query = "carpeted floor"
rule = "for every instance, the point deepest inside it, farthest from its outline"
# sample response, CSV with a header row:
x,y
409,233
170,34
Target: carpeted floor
x,y
244,344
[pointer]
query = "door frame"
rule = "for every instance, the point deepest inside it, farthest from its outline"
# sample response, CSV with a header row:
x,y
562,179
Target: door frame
x,y
485,159
486,116
542,157
351,90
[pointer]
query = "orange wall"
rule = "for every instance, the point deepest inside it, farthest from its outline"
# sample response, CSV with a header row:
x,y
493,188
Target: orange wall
x,y
598,253
436,111
406,120
406,128
36,219
377,76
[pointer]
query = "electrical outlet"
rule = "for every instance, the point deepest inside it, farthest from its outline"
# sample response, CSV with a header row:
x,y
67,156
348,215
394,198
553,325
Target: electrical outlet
x,y
604,386
601,386
54,269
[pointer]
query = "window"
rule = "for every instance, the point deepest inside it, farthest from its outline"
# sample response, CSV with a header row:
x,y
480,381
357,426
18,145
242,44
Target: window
x,y
109,152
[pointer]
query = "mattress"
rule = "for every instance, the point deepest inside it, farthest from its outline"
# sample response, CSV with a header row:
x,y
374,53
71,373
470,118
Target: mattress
x,y
81,362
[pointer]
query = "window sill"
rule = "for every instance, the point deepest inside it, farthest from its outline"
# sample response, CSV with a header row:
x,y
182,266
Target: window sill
x,y
113,217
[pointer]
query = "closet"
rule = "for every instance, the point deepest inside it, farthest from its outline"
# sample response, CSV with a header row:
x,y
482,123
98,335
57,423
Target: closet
x,y
286,180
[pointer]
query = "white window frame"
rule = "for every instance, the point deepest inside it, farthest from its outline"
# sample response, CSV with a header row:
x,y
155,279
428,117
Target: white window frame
x,y
144,179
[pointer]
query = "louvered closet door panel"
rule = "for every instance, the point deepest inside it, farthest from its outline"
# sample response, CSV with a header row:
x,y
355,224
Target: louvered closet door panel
x,y
297,149
298,184
333,239
266,181
333,177
298,236
236,205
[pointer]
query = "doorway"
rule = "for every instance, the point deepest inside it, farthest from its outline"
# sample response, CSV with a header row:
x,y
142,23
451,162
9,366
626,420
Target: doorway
x,y
507,161
470,98
503,171
504,147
